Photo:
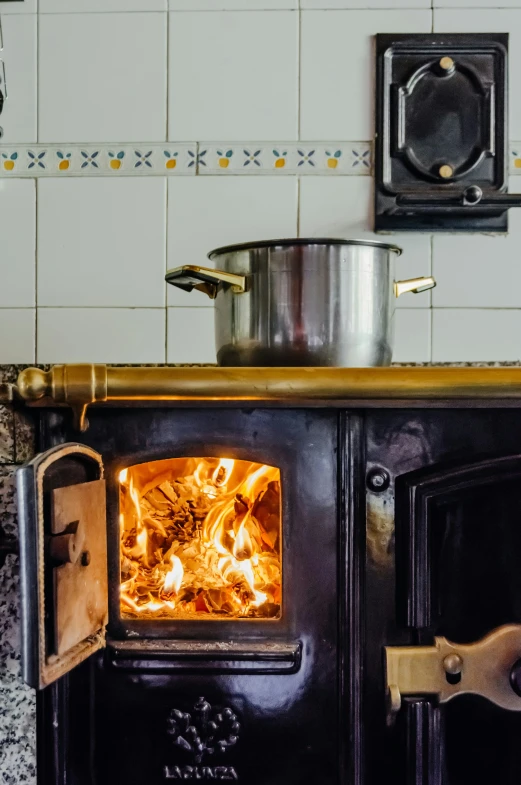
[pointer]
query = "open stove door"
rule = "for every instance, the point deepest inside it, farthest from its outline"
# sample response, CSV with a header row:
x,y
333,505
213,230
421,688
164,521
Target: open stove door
x,y
63,559
454,692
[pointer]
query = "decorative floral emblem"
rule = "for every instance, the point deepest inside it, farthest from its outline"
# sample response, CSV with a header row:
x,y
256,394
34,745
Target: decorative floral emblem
x,y
332,158
65,160
36,159
200,158
90,159
224,158
361,158
192,157
517,160
171,159
142,159
9,161
252,158
280,159
116,159
205,732
306,158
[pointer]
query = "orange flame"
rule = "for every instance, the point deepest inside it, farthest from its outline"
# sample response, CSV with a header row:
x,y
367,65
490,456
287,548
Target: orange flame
x,y
174,578
223,471
243,546
225,535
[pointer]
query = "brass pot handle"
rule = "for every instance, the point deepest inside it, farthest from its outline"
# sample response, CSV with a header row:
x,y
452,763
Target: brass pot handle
x,y
414,285
205,279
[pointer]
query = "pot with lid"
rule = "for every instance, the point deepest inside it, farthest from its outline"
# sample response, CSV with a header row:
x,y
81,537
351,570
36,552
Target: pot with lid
x,y
316,302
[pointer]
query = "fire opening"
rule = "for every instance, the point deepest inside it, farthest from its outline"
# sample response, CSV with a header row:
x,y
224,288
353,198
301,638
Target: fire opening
x,y
200,539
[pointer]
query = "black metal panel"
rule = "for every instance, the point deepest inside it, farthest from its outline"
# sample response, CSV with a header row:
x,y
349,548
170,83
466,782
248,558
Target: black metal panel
x,y
441,153
420,501
423,740
294,685
465,582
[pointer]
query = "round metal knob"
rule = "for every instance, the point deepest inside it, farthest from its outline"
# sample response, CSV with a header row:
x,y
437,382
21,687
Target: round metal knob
x,y
472,195
515,677
447,64
453,664
446,171
378,479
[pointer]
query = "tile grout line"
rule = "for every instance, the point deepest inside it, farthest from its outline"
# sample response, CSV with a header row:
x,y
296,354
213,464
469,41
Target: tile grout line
x,y
299,69
431,315
167,80
298,206
167,233
36,189
36,186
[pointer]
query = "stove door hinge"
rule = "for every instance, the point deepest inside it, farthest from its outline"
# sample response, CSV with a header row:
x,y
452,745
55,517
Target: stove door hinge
x,y
490,668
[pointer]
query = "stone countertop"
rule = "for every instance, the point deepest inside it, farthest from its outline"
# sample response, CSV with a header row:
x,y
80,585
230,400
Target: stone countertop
x,y
17,701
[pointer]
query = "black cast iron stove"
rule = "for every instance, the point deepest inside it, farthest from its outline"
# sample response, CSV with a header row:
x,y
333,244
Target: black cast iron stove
x,y
263,585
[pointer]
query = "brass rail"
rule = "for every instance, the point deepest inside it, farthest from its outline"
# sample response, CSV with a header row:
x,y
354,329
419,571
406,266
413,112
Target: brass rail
x,y
81,385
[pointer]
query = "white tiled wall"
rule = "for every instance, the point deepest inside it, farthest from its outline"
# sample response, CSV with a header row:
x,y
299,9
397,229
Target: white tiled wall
x,y
83,259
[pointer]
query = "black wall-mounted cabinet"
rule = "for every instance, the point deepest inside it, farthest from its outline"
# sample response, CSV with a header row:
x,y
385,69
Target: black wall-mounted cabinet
x,y
442,133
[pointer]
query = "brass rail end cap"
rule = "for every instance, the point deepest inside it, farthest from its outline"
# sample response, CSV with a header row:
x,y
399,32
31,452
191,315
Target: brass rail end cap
x,y
33,383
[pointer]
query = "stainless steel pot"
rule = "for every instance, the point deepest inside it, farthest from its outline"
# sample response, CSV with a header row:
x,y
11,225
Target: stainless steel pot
x,y
302,302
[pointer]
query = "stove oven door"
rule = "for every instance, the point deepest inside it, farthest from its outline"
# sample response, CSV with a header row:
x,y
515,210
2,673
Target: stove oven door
x,y
454,686
63,557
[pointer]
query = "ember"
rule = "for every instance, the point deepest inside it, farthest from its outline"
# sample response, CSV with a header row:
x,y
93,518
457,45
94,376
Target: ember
x,y
200,538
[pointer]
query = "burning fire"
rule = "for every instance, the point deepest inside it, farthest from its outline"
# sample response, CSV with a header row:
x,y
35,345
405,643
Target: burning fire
x,y
200,537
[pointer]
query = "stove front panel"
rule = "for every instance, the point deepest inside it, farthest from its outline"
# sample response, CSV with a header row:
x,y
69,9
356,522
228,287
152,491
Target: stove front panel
x,y
258,700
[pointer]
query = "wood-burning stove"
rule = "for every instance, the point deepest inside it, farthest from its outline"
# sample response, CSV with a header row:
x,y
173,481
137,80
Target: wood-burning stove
x,y
393,531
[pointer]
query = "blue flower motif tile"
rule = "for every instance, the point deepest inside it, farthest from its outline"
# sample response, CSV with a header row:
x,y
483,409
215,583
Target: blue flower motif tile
x,y
90,159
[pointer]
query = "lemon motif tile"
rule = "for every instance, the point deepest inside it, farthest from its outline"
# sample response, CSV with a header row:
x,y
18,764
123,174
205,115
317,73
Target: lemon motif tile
x,y
9,161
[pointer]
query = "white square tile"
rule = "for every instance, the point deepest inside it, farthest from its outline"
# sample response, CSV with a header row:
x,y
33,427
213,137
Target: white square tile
x,y
102,77
477,4
25,7
233,75
474,335
232,5
101,242
207,212
337,69
17,335
90,6
412,335
364,4
491,20
342,207
101,335
190,335
479,271
18,237
18,118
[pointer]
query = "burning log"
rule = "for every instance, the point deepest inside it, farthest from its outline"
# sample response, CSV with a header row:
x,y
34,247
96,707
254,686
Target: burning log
x,y
205,541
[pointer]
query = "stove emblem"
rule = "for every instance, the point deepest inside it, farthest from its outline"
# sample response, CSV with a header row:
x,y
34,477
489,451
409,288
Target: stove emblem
x,y
204,733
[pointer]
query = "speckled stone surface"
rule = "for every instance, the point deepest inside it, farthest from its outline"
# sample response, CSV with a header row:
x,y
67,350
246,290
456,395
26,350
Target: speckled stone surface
x,y
17,701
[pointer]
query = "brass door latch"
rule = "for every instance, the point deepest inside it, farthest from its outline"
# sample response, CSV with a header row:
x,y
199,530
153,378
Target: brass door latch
x,y
490,668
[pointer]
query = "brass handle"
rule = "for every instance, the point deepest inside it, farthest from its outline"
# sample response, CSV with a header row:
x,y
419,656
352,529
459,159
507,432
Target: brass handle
x,y
205,279
414,285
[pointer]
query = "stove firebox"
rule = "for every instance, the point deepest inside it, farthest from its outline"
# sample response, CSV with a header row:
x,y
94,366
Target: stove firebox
x,y
229,638
200,538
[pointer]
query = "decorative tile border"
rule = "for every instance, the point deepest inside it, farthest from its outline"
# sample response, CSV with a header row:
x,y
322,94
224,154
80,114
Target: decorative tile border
x,y
90,160
191,158
515,158
170,158
285,158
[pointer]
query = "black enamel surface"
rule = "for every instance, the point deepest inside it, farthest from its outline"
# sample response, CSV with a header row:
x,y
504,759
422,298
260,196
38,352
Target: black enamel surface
x,y
292,712
324,722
